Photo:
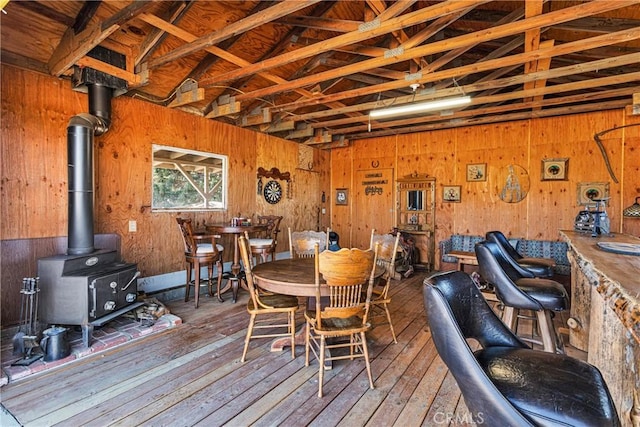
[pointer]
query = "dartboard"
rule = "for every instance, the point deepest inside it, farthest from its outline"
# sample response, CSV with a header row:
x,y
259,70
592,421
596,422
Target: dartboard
x,y
272,192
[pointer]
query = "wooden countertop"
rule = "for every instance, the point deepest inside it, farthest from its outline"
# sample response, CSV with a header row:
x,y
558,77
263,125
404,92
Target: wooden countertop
x,y
621,273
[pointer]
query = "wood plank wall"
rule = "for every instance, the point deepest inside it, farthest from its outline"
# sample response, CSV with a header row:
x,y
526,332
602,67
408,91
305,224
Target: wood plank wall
x,y
549,205
35,113
36,110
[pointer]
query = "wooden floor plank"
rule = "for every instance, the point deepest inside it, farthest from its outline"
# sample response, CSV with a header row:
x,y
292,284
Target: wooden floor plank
x,y
191,375
253,414
163,384
443,407
420,402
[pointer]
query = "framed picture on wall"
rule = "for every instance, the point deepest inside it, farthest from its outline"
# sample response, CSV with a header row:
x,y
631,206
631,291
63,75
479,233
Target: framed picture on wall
x,y
477,172
589,192
342,196
554,169
451,193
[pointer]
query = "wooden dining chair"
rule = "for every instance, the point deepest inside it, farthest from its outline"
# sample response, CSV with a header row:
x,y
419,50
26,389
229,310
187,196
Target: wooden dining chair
x,y
200,250
268,306
265,242
347,273
301,243
387,252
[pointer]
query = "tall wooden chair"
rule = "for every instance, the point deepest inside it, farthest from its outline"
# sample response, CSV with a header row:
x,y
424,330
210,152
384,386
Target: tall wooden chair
x,y
387,253
200,250
347,273
264,244
268,306
301,243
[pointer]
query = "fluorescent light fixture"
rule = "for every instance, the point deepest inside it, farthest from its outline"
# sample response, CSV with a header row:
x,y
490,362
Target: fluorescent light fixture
x,y
420,107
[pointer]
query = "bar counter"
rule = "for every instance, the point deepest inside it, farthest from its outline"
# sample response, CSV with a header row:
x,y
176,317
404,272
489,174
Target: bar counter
x,y
605,315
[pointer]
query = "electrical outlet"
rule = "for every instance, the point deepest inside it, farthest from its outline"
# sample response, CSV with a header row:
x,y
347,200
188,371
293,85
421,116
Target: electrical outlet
x,y
133,226
324,211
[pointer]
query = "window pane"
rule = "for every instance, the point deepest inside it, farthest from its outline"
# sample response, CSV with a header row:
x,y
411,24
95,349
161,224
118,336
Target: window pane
x,y
188,180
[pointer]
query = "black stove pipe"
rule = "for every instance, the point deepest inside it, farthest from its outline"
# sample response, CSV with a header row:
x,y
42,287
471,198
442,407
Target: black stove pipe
x,y
80,135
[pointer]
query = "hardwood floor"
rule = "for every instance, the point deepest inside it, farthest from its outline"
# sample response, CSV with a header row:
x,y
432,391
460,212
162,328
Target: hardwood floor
x,y
191,375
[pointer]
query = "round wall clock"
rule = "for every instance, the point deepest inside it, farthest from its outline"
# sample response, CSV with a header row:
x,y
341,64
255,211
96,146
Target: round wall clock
x,y
272,192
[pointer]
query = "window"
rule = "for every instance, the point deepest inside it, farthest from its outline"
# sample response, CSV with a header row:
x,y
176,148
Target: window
x,y
188,180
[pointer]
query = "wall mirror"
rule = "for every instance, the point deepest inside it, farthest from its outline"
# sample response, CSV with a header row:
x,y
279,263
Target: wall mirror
x,y
415,200
415,214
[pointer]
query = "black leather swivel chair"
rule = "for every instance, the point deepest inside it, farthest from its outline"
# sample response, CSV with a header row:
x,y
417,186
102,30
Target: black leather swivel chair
x,y
538,267
506,383
517,292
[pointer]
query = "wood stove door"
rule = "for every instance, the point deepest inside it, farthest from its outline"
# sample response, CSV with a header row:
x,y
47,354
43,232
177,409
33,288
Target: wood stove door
x,y
109,293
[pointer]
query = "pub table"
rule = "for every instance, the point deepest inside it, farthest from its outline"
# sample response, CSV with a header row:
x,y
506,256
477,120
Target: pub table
x,y
236,276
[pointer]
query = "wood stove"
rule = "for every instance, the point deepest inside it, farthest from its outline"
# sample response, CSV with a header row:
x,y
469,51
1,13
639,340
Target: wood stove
x,y
86,290
87,286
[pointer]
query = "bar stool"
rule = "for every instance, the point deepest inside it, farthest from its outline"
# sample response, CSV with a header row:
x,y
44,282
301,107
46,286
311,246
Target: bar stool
x,y
517,292
538,267
198,253
505,383
265,245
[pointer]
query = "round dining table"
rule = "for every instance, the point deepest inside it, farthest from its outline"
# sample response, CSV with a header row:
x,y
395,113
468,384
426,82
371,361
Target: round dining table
x,y
236,276
293,276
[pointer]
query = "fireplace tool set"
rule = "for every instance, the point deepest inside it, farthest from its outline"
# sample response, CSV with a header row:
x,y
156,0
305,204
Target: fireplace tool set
x,y
25,341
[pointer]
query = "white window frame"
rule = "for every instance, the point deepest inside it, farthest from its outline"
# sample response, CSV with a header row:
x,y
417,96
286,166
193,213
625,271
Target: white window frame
x,y
183,159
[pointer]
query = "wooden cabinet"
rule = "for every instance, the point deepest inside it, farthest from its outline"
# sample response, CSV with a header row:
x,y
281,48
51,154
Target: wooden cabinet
x,y
415,214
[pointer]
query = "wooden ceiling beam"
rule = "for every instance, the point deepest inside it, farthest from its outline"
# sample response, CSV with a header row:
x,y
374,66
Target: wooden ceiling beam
x,y
320,23
584,9
395,9
488,85
20,61
283,44
379,7
570,99
133,80
531,93
174,15
355,48
453,123
433,28
597,25
532,39
367,31
46,11
186,36
73,46
202,43
380,72
86,14
488,65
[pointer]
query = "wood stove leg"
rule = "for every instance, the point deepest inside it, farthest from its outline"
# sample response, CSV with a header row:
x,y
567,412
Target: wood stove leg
x,y
87,333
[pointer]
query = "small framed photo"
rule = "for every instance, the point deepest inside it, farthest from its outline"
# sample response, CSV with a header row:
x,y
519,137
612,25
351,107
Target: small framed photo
x,y
477,172
451,193
342,196
590,192
554,169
